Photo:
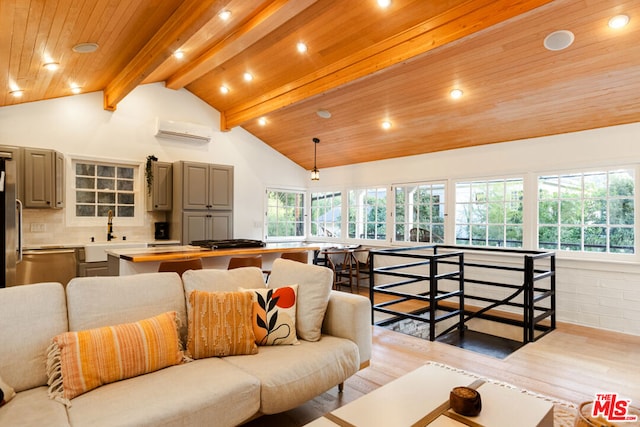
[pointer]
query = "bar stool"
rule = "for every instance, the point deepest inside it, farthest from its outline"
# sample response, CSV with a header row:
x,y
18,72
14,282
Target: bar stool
x,y
181,265
245,261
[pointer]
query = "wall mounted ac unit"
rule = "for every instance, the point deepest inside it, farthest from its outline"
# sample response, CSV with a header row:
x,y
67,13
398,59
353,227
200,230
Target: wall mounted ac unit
x,y
183,131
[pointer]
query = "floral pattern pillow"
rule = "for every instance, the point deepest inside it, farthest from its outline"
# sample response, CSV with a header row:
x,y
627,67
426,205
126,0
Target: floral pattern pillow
x,y
274,315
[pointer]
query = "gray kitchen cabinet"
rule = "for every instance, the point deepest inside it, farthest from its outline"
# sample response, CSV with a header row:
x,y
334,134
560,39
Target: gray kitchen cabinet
x,y
90,269
214,225
206,186
161,196
202,202
43,175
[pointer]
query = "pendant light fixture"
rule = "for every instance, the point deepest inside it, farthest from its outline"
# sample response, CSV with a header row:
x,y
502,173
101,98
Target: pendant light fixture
x,y
315,173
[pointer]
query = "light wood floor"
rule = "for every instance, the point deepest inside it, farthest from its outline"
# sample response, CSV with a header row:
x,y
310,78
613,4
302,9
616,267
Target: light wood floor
x,y
571,363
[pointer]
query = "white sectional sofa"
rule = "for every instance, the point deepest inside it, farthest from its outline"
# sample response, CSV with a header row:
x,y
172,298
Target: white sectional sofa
x,y
214,391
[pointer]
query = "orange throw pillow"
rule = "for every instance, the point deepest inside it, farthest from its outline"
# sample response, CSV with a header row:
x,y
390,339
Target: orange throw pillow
x,y
220,324
81,361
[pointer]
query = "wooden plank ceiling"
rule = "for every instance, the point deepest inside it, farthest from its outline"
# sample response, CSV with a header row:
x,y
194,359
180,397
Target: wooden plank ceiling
x,y
364,65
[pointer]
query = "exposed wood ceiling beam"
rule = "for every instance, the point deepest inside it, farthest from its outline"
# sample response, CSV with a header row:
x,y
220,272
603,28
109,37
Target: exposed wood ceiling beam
x,y
270,18
452,25
185,22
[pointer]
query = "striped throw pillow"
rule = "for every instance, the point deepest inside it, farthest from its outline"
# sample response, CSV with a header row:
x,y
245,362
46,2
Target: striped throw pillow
x,y
81,361
220,324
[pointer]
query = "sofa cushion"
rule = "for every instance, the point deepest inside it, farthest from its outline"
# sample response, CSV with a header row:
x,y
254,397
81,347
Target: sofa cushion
x,y
84,360
30,315
33,408
103,301
274,315
220,324
201,393
314,286
6,392
291,375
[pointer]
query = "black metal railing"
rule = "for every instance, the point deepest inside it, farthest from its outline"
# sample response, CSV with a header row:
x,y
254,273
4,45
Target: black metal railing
x,y
530,302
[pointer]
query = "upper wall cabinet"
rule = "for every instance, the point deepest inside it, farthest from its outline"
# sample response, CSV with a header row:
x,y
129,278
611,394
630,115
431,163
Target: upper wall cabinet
x,y
206,186
43,174
160,198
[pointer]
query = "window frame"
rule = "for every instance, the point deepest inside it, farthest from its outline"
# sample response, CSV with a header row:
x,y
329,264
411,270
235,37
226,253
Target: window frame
x,y
387,220
582,254
486,181
340,223
407,204
305,217
139,200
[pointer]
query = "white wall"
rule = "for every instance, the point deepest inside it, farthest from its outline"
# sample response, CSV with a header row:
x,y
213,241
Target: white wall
x,y
78,125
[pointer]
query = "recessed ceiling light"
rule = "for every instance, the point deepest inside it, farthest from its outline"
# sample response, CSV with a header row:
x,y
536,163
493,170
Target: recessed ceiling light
x,y
248,77
456,93
384,3
224,15
75,88
262,121
17,93
559,40
51,66
618,21
85,47
302,48
178,54
224,89
325,114
386,124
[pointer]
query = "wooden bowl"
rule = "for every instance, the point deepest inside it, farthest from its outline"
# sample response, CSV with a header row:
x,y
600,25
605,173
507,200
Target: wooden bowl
x,y
465,401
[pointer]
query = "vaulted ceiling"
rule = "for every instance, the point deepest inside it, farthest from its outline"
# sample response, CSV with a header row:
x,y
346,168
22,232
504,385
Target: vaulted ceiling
x,y
364,65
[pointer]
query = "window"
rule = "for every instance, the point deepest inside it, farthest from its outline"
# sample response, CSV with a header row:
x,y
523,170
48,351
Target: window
x,y
591,212
326,214
368,214
285,214
103,187
419,213
489,213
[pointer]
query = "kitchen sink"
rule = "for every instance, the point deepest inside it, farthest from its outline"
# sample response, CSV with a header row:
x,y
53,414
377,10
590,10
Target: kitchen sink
x,y
96,251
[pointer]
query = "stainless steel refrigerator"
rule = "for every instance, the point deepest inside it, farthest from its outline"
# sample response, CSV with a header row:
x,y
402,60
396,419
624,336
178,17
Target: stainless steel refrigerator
x,y
10,220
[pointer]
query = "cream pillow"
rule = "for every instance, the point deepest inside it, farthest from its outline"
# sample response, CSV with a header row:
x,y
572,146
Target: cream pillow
x,y
314,287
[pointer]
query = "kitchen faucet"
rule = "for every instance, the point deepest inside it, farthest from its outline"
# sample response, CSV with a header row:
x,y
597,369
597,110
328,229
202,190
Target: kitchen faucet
x,y
110,226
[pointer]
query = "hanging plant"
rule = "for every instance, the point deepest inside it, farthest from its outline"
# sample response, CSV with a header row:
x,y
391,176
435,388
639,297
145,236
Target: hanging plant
x,y
148,172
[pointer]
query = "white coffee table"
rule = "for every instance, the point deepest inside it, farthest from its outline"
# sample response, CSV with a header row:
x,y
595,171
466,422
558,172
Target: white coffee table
x,y
421,398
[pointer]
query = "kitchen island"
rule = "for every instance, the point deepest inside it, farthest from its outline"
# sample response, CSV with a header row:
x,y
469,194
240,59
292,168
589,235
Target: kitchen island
x,y
146,260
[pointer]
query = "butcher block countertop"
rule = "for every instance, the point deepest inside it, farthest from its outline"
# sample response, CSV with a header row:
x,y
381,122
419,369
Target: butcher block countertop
x,y
182,252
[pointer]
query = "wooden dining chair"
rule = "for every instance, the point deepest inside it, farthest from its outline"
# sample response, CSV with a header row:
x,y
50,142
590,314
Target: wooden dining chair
x,y
181,265
245,261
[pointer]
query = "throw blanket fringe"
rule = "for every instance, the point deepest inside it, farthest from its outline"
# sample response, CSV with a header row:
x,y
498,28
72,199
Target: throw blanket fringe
x,y
54,373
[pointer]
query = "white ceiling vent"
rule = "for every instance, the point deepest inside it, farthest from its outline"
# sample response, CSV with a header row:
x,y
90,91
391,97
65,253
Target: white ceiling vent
x,y
183,131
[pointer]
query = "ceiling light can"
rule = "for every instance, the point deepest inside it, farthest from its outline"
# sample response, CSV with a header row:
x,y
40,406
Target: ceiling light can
x,y
618,21
456,93
302,48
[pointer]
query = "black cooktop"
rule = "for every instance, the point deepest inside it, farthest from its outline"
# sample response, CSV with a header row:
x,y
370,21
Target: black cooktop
x,y
229,244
